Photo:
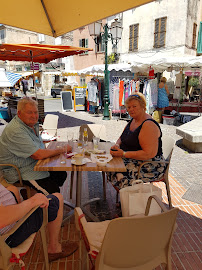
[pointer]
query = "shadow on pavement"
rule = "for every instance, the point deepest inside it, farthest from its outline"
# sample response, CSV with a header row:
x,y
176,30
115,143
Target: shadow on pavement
x,y
68,121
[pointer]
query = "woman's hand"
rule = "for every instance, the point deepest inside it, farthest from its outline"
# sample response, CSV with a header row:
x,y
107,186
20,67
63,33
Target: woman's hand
x,y
115,151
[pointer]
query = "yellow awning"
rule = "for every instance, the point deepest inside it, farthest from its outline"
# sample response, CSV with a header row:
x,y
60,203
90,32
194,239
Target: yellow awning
x,y
56,18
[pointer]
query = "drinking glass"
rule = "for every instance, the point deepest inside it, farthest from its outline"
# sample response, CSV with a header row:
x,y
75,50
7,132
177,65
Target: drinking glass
x,y
96,141
80,140
63,156
70,138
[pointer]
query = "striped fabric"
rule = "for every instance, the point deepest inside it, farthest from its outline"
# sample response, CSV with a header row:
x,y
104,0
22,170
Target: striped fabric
x,y
13,77
6,198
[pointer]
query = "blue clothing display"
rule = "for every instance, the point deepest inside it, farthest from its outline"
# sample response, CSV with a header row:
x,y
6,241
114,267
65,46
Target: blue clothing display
x,y
162,98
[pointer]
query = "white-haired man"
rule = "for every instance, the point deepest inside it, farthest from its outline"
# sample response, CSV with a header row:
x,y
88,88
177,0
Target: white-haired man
x,y
22,145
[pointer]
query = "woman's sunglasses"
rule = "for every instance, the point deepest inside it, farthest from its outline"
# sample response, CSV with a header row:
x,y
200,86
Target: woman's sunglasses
x,y
137,96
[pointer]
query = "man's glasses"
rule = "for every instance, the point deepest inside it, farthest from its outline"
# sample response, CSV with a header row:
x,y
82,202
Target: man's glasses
x,y
137,96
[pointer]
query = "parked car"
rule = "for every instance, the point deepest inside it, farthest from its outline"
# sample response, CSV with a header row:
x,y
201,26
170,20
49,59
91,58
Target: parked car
x,y
55,92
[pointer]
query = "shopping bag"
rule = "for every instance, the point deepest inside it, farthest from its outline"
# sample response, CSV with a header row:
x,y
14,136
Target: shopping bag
x,y
134,199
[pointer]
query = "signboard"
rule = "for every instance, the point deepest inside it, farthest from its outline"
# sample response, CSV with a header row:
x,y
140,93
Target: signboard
x,y
34,66
79,98
66,99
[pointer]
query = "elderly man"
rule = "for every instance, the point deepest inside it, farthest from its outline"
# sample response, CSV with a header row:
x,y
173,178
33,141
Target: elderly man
x,y
21,145
11,210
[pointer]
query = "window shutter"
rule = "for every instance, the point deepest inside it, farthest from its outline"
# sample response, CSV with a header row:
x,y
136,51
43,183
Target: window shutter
x,y
133,37
86,43
80,42
194,36
135,42
160,32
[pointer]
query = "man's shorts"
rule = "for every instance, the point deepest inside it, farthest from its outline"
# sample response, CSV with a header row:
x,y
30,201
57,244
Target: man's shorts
x,y
33,223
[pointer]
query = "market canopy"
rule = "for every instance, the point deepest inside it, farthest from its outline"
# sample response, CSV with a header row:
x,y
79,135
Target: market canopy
x,y
55,18
8,79
37,52
100,68
140,64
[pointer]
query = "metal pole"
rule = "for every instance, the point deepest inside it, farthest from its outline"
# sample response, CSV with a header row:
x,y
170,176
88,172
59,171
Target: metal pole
x,y
106,91
31,53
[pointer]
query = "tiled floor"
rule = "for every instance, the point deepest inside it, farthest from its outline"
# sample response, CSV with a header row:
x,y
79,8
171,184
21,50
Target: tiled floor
x,y
186,247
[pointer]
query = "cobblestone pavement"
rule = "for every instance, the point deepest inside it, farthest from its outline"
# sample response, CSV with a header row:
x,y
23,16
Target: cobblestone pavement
x,y
186,166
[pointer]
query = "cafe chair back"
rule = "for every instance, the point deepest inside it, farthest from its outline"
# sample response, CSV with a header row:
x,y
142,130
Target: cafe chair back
x,y
140,242
10,256
49,127
19,184
167,146
95,130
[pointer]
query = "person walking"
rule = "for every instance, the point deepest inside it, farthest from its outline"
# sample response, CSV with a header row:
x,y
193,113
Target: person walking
x,y
163,93
24,85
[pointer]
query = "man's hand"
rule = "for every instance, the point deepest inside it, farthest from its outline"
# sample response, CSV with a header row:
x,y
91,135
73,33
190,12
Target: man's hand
x,y
40,199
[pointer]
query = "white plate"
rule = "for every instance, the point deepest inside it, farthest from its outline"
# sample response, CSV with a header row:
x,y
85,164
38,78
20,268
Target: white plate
x,y
92,151
73,161
104,157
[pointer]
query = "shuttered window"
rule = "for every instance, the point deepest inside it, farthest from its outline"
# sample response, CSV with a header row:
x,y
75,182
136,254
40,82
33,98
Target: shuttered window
x,y
133,37
100,45
194,36
83,43
160,32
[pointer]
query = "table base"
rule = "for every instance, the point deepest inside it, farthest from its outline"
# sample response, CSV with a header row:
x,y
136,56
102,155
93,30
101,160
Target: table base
x,y
78,201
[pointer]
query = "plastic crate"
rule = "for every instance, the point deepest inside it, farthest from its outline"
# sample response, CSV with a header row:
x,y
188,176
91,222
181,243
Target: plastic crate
x,y
168,119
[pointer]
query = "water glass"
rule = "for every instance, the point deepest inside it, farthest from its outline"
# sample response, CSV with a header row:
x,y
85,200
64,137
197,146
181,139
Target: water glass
x,y
63,156
70,138
96,141
80,140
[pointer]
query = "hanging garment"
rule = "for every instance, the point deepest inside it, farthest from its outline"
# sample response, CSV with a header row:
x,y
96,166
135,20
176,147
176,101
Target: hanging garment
x,y
92,87
121,91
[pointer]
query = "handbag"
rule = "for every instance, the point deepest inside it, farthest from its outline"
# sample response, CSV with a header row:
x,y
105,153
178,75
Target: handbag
x,y
134,198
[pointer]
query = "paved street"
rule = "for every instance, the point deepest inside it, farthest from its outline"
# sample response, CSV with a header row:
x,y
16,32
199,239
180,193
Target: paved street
x,y
186,166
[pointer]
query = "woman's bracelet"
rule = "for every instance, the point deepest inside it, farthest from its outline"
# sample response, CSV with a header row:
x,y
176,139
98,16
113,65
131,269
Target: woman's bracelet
x,y
124,154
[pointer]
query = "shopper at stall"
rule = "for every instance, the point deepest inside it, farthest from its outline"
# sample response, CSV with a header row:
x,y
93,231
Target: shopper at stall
x,y
163,93
21,145
12,210
140,141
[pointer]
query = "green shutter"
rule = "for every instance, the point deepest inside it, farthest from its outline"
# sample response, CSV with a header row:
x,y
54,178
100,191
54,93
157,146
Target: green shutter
x,y
80,42
199,45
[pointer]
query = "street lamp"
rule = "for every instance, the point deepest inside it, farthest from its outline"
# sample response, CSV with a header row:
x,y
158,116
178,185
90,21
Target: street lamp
x,y
114,35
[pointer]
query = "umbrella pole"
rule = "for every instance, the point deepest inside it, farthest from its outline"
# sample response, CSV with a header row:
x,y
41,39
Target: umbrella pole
x,y
31,53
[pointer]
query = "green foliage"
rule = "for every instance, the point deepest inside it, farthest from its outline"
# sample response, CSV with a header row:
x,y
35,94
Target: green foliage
x,y
193,82
112,58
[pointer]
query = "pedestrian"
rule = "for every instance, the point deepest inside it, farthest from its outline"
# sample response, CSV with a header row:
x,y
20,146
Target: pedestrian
x,y
163,93
24,85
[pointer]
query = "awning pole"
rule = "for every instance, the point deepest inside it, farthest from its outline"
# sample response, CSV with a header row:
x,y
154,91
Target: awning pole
x,y
31,53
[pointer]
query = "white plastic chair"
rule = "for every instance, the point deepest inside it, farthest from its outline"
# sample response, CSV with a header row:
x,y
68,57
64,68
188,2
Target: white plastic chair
x,y
49,127
135,243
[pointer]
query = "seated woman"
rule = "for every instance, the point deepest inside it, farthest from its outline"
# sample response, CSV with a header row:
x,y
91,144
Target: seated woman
x,y
139,142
